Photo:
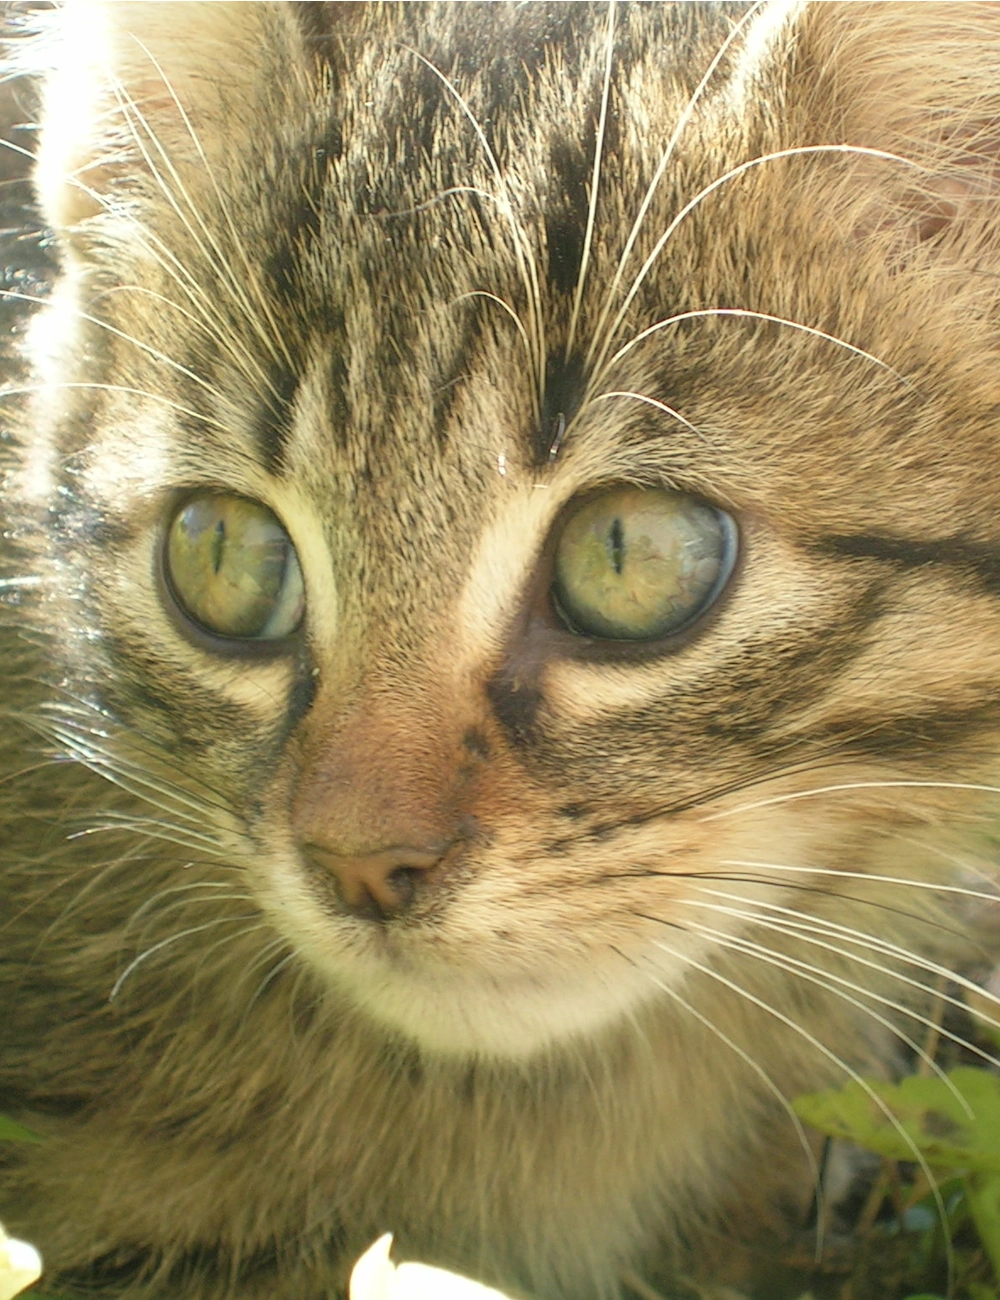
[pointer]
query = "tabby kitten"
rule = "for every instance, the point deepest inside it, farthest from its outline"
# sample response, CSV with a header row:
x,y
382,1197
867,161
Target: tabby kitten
x,y
502,638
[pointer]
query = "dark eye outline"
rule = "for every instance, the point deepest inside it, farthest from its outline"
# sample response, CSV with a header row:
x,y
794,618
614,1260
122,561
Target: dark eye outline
x,y
186,624
550,622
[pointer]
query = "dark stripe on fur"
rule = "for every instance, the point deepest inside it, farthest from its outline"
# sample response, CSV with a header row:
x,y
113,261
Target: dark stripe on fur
x,y
982,562
274,424
515,705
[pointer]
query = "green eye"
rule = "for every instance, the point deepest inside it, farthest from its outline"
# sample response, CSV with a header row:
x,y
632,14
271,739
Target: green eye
x,y
636,564
233,569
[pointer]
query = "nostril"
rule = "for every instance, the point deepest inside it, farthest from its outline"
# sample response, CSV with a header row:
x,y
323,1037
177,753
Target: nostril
x,y
373,886
404,881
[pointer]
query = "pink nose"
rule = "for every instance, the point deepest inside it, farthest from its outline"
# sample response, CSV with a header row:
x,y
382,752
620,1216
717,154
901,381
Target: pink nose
x,y
375,885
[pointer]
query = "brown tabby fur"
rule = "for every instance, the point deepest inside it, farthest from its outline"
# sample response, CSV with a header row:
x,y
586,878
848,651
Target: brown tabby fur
x,y
336,259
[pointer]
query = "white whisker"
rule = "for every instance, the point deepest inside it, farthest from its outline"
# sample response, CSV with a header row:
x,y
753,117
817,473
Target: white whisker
x,y
811,923
180,836
270,977
918,1157
151,914
211,321
846,786
12,145
28,390
660,406
501,302
805,935
202,241
678,131
136,781
733,174
274,340
192,887
594,183
748,1061
155,353
841,873
217,944
838,985
521,244
449,192
84,741
745,313
172,939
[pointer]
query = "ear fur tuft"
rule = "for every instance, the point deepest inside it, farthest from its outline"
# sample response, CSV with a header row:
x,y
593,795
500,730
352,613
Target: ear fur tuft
x,y
915,80
920,81
135,89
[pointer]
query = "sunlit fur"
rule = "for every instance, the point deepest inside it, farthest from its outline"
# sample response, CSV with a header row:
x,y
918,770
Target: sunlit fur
x,y
418,278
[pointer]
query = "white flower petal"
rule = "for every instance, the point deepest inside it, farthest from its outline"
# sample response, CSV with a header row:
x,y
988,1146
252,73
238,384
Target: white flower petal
x,y
375,1277
421,1282
20,1265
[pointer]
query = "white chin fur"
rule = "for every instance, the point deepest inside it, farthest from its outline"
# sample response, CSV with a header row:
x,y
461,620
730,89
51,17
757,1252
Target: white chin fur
x,y
468,1012
473,1016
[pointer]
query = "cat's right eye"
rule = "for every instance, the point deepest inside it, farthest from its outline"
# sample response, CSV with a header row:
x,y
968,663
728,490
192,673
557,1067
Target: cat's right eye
x,y
232,568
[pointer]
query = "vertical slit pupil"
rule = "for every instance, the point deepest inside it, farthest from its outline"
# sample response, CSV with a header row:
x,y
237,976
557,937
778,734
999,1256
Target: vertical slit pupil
x,y
616,546
218,545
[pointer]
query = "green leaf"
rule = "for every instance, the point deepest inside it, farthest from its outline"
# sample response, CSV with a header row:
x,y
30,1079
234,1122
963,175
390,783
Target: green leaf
x,y
918,1115
11,1132
983,1193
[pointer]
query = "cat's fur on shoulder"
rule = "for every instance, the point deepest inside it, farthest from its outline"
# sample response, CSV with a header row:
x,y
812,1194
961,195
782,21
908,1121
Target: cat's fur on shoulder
x,y
422,279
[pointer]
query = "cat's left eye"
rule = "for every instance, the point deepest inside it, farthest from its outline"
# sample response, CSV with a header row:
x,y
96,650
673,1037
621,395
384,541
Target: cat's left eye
x,y
233,570
638,564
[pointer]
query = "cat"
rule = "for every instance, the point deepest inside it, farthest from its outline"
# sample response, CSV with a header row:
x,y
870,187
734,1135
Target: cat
x,y
501,626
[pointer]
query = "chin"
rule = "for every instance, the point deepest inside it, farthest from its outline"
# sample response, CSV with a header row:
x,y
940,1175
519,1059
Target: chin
x,y
457,1011
483,1018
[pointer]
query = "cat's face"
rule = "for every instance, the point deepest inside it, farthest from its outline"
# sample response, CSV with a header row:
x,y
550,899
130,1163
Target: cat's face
x,y
528,596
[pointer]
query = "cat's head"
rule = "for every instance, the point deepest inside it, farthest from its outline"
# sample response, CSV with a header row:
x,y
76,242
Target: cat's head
x,y
522,475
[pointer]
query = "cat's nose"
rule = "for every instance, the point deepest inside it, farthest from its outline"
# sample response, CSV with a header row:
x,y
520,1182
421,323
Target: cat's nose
x,y
377,885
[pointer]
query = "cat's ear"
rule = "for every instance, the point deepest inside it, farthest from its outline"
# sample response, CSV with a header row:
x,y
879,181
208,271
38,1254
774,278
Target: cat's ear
x,y
915,81
135,94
